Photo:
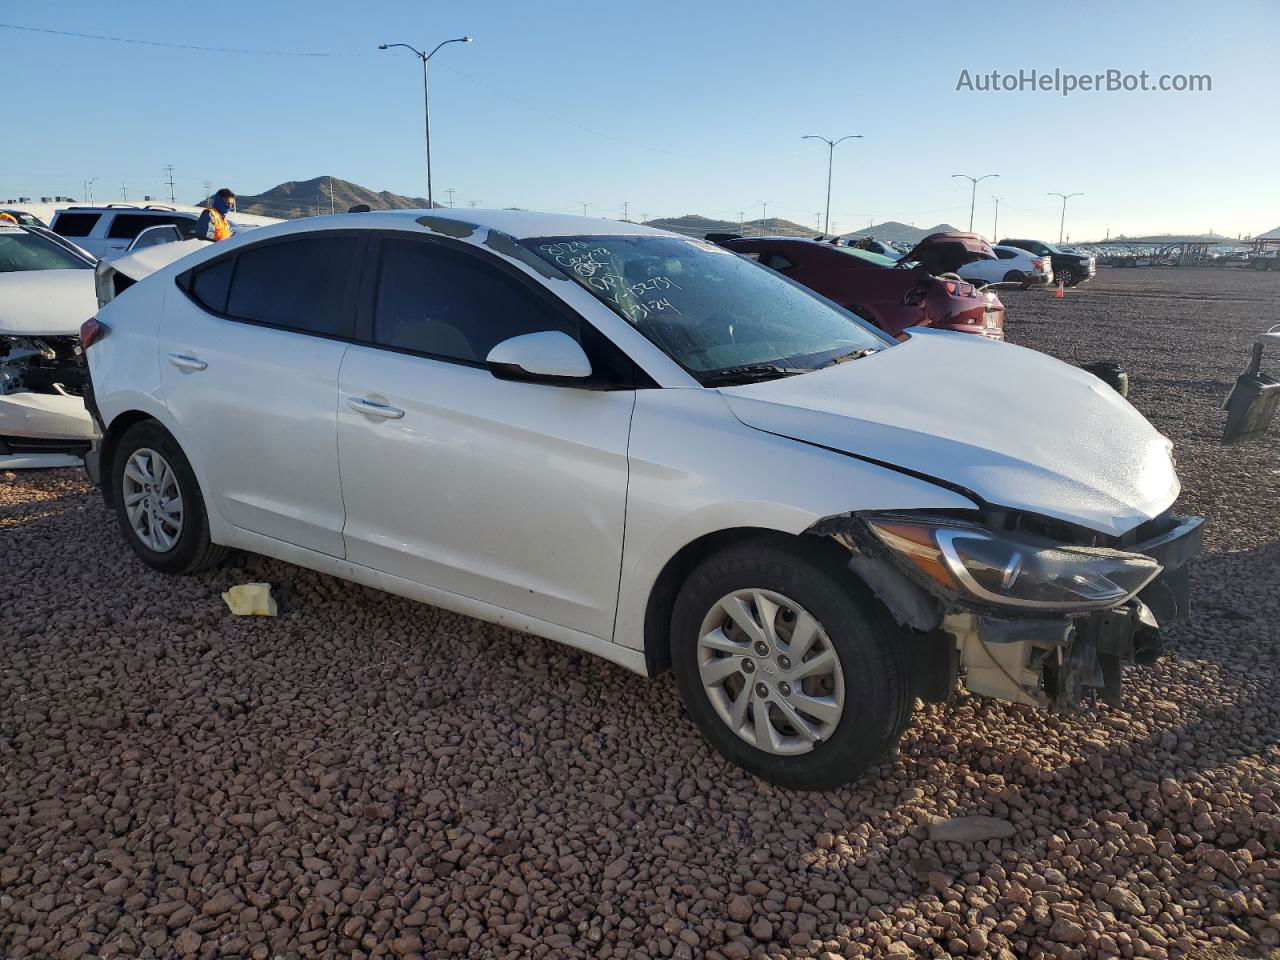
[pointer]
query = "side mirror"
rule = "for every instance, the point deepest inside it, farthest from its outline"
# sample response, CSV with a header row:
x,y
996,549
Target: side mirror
x,y
548,356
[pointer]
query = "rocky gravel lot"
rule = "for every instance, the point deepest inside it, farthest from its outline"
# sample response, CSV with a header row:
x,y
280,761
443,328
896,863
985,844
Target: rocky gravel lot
x,y
368,777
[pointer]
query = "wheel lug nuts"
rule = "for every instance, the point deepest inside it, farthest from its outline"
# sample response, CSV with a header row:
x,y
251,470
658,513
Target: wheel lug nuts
x,y
761,690
784,662
762,648
748,666
784,689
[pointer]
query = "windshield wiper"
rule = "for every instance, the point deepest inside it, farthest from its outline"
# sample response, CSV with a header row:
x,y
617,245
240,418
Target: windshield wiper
x,y
749,373
855,355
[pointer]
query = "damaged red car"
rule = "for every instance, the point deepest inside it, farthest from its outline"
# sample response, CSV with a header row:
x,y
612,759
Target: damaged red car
x,y
920,290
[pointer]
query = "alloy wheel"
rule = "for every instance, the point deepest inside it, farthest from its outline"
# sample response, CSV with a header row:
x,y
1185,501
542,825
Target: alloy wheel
x,y
770,671
152,500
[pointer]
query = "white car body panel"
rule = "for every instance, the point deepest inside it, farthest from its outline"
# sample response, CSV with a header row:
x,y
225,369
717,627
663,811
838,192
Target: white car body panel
x,y
554,509
466,490
282,481
49,303
1076,451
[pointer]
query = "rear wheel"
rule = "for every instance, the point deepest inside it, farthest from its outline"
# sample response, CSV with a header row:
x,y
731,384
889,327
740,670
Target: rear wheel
x,y
789,668
1066,276
1013,276
158,502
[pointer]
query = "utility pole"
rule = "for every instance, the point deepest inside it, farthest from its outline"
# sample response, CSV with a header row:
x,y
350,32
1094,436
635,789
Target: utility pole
x,y
169,170
450,191
742,220
585,205
1063,222
88,189
331,210
973,195
626,204
426,99
995,221
124,192
818,217
764,216
831,152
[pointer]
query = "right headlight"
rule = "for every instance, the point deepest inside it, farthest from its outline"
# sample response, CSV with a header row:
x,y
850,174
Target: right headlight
x,y
1004,570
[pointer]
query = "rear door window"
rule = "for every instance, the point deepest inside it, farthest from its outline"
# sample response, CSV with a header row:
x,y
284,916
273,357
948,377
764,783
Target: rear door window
x,y
451,305
75,224
301,284
126,226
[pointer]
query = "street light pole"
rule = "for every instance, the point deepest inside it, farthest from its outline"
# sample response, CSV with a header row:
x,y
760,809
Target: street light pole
x,y
973,195
426,97
831,153
1063,222
995,221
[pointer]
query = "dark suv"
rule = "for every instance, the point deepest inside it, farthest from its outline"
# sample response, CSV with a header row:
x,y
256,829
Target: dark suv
x,y
1070,268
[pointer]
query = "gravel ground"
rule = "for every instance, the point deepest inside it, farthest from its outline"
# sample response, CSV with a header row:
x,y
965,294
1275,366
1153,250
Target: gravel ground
x,y
364,776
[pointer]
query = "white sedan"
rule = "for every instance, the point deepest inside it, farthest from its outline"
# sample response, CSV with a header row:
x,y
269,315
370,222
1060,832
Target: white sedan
x,y
1012,265
641,445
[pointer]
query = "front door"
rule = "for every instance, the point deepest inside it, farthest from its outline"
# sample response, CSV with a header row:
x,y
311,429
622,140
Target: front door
x,y
250,354
505,492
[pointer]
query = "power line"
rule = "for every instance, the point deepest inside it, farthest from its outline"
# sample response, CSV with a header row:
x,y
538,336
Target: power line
x,y
179,46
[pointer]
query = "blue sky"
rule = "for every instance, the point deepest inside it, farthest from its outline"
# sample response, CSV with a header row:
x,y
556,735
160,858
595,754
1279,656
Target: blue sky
x,y
675,107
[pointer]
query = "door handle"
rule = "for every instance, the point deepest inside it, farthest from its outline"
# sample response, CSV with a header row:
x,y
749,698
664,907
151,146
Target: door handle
x,y
183,362
369,408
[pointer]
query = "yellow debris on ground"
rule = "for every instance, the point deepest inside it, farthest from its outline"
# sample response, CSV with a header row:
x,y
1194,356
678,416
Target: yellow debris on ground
x,y
251,600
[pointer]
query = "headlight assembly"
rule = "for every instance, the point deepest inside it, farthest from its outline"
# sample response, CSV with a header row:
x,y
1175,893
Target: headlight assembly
x,y
1006,571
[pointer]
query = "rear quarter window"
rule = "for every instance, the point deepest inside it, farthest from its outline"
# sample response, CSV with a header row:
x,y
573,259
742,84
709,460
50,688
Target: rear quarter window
x,y
209,285
75,224
126,226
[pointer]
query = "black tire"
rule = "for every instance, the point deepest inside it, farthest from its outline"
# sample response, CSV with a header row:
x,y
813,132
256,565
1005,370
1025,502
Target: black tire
x,y
1066,276
1013,276
192,550
871,647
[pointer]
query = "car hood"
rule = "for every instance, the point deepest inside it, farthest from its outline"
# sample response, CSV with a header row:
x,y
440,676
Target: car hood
x,y
46,303
1013,427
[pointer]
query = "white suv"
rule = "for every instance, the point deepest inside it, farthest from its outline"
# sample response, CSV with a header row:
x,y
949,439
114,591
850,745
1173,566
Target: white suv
x,y
649,448
107,231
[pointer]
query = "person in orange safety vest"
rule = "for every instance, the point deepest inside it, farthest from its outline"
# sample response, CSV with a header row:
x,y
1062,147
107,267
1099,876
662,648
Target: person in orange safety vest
x,y
213,224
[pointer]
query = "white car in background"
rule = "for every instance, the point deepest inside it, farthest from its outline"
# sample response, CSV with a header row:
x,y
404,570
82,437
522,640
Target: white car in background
x,y
109,231
46,293
1012,265
644,446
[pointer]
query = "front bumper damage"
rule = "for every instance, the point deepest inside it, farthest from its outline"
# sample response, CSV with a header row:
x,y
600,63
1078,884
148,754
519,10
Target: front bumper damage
x,y
1055,660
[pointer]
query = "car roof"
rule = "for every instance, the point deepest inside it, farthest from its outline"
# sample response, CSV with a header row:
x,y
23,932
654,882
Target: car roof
x,y
521,224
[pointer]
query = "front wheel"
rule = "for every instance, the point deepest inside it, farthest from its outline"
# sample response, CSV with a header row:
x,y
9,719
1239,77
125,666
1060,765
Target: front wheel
x,y
158,502
1066,276
788,666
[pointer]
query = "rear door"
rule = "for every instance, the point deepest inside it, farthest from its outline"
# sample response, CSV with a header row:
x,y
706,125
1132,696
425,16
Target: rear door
x,y
505,492
250,350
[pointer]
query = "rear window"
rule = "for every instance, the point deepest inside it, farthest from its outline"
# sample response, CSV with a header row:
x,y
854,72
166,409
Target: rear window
x,y
868,256
299,284
21,251
209,286
75,224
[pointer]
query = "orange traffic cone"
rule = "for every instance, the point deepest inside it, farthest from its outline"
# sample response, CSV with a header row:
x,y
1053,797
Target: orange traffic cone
x,y
1060,294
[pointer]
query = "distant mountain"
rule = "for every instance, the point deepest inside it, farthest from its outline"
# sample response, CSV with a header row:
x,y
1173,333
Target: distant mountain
x,y
693,225
899,232
307,198
1270,235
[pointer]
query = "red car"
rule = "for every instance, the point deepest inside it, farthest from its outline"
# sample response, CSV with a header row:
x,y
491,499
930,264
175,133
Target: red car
x,y
920,290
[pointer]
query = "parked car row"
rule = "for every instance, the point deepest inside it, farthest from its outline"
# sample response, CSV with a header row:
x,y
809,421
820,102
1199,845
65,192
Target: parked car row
x,y
645,446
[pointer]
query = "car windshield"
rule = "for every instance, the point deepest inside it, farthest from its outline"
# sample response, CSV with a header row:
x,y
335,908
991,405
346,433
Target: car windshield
x,y
878,259
710,310
20,250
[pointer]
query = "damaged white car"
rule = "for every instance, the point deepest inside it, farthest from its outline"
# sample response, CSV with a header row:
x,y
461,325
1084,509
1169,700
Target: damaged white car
x,y
646,447
46,292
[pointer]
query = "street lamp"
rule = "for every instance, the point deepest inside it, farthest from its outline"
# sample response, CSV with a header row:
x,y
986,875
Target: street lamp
x,y
974,193
995,220
764,215
831,151
426,101
88,190
1063,222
